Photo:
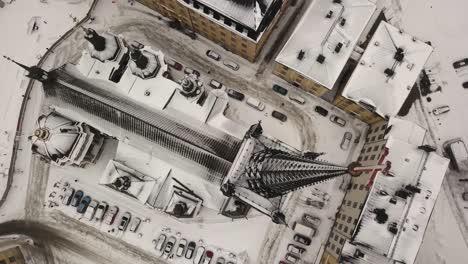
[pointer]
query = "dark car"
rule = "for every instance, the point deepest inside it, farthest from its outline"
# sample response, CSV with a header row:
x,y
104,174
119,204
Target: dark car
x,y
235,94
321,110
77,198
124,221
460,63
279,89
465,85
174,64
302,239
83,204
211,54
280,116
190,250
189,71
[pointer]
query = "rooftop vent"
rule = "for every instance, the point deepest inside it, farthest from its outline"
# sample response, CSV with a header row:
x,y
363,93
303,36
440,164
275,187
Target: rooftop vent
x,y
399,55
389,72
343,22
338,47
330,14
320,58
300,55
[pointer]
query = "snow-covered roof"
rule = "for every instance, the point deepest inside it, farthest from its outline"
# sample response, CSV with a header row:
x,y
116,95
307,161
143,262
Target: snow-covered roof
x,y
318,35
369,82
250,15
414,172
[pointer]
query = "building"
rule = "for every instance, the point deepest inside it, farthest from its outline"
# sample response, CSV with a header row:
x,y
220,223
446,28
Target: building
x,y
21,249
241,27
385,75
401,144
319,48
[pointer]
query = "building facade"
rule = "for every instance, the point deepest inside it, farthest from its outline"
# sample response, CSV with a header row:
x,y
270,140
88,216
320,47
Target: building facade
x,y
348,215
240,29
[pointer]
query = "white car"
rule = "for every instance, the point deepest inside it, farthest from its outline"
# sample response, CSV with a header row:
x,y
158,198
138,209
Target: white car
x,y
169,247
215,84
199,255
440,110
344,145
296,98
338,120
89,214
101,210
255,104
68,196
232,65
181,247
135,224
160,242
211,54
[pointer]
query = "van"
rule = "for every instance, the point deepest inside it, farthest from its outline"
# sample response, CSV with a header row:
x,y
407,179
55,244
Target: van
x,y
255,104
304,230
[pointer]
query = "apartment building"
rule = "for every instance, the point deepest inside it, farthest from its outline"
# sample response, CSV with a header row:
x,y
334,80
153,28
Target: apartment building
x,y
322,43
241,27
384,75
355,198
11,255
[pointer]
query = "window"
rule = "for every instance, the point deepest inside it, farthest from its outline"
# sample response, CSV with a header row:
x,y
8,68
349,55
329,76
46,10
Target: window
x,y
383,146
216,15
376,148
227,21
361,206
349,219
206,10
359,159
365,158
355,186
340,226
355,204
384,126
333,246
372,157
336,238
341,241
349,203
380,137
369,149
338,215
343,217
345,229
373,138
3,261
12,259
239,28
337,251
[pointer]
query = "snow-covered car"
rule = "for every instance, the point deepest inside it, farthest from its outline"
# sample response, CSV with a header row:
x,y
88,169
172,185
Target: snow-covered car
x,y
190,250
213,55
311,220
220,260
68,196
441,110
215,84
208,257
292,258
135,224
101,210
83,204
190,71
89,214
457,153
169,247
302,239
338,120
254,103
346,141
124,221
296,98
197,259
174,64
160,242
77,198
296,249
232,65
110,215
181,247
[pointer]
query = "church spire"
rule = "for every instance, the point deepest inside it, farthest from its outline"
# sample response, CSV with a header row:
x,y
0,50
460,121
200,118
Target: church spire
x,y
34,72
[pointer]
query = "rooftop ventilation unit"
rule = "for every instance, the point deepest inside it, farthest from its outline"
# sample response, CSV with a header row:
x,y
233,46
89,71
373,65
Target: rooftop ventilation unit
x,y
343,22
389,72
300,55
399,55
330,14
338,47
320,58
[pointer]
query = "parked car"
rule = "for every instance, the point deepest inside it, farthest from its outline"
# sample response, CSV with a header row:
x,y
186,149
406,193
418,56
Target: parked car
x,y
279,89
160,242
457,153
220,260
296,249
232,65
109,217
460,63
197,259
280,116
235,94
302,239
311,220
169,247
291,258
255,104
215,84
465,85
189,71
135,224
101,210
441,110
83,204
304,230
124,221
346,141
211,54
338,120
208,257
77,198
68,196
296,98
320,110
190,250
181,247
315,203
173,64
89,214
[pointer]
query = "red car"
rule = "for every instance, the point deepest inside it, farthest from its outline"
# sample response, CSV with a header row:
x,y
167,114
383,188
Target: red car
x,y
174,64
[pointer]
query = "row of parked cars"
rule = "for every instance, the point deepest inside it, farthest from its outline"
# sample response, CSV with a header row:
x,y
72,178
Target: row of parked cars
x,y
215,56
94,210
189,250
